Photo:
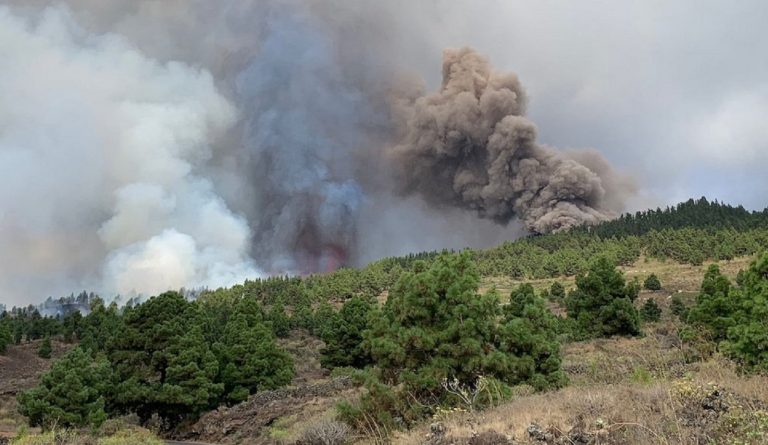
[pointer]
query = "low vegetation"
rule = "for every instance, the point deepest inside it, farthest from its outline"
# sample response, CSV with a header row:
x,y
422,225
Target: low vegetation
x,y
459,339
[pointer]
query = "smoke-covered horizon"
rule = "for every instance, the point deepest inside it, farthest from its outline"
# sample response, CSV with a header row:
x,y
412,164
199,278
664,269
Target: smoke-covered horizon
x,y
141,156
152,145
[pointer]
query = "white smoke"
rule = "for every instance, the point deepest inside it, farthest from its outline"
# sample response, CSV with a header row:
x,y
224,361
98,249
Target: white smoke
x,y
147,145
100,152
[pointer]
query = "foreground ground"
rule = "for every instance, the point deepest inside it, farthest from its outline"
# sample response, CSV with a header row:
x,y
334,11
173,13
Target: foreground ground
x,y
644,390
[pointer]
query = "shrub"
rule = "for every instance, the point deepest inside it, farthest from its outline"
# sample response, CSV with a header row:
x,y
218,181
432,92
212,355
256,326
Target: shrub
x,y
436,327
747,340
45,349
325,433
71,394
344,336
601,304
678,308
650,311
652,283
557,291
715,308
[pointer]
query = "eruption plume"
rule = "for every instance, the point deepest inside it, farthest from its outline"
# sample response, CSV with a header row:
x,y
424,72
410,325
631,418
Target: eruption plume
x,y
150,145
469,145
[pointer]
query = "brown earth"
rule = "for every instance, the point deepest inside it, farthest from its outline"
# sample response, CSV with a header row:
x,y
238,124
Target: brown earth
x,y
20,369
622,390
270,417
279,416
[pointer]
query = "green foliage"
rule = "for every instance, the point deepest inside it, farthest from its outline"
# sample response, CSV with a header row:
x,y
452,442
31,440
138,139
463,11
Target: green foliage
x,y
733,318
45,349
699,213
344,336
281,324
250,359
715,308
642,375
174,358
162,362
601,304
436,327
6,336
678,307
528,335
747,341
650,312
557,291
71,394
652,283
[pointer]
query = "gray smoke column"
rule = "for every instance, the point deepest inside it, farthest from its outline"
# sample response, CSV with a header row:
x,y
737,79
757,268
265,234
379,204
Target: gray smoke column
x,y
470,146
302,120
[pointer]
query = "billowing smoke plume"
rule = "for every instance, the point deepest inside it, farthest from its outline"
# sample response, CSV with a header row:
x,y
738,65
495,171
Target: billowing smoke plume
x,y
98,153
302,123
148,145
469,145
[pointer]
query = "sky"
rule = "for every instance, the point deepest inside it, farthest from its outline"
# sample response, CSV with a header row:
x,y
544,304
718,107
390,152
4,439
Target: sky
x,y
147,145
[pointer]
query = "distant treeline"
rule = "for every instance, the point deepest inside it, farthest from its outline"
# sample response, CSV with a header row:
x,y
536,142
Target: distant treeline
x,y
691,232
694,213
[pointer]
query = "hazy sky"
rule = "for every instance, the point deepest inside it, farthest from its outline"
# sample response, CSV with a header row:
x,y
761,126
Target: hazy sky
x,y
149,144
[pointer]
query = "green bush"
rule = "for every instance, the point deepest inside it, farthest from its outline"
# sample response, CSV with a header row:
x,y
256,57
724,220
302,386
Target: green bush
x,y
70,394
557,291
747,339
601,304
652,283
45,350
650,311
678,307
437,332
344,336
715,308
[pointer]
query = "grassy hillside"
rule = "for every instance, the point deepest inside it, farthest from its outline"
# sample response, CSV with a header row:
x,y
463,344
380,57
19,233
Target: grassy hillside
x,y
643,390
441,346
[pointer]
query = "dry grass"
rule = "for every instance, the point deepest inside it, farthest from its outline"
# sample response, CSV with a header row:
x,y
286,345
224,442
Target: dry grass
x,y
631,390
664,411
674,277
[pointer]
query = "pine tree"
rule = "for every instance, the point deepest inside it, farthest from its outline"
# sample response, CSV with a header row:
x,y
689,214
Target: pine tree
x,y
250,360
529,335
6,337
344,337
747,341
715,308
650,311
602,302
142,351
557,291
187,386
71,394
45,349
436,327
281,324
652,283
